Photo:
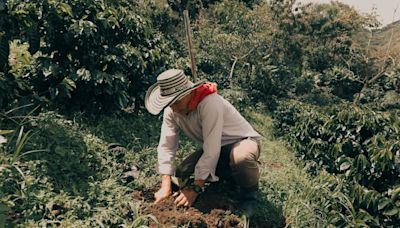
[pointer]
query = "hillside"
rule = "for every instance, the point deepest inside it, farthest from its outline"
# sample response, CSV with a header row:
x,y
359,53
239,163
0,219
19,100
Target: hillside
x,y
82,184
79,149
382,41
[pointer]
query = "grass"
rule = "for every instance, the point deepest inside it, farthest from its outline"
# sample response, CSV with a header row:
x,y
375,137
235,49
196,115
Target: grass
x,y
283,180
75,181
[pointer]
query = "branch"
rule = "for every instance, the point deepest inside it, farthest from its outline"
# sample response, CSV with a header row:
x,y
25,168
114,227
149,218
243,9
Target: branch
x,y
367,83
190,46
384,67
232,68
235,59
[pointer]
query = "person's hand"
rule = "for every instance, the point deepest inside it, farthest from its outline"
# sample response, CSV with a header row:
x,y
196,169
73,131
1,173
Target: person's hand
x,y
186,197
165,191
162,194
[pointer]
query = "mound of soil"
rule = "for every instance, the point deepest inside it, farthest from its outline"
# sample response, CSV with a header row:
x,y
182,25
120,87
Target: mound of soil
x,y
210,210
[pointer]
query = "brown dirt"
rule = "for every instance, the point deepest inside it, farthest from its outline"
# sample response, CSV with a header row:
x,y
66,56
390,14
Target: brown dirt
x,y
273,165
210,210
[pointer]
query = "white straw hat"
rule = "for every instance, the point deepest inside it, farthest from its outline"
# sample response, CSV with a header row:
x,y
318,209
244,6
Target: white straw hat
x,y
170,86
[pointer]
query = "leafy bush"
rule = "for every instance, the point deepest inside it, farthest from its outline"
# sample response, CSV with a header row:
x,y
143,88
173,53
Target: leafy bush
x,y
385,91
342,82
273,48
90,55
100,56
361,146
72,180
234,44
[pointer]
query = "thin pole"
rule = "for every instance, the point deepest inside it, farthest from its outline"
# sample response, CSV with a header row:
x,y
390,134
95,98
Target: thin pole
x,y
190,45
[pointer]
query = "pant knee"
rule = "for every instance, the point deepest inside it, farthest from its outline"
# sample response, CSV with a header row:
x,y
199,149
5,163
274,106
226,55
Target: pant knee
x,y
243,151
244,163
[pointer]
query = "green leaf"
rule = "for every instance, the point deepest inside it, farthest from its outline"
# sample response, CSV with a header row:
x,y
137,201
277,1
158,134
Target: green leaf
x,y
47,71
395,193
391,212
69,84
83,74
345,165
383,203
122,100
53,92
4,132
65,8
362,162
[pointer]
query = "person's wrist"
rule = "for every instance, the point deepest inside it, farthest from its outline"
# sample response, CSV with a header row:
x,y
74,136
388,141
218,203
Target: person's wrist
x,y
200,183
196,188
166,178
166,183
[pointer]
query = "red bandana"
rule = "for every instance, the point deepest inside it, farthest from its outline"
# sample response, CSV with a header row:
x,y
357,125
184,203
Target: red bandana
x,y
200,93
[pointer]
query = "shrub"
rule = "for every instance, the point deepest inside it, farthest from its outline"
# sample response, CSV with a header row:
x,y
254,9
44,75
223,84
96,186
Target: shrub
x,y
73,180
361,146
89,55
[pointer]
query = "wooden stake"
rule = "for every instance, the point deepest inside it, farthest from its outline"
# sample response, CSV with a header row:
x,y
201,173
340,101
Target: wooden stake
x,y
190,45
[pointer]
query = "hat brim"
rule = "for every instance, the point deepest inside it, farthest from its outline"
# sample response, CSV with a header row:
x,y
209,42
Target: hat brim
x,y
155,102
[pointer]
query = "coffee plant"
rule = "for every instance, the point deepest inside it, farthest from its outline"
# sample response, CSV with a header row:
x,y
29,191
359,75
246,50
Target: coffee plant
x,y
88,55
361,146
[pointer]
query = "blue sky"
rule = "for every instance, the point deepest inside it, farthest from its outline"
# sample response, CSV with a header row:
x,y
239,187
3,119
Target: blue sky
x,y
384,8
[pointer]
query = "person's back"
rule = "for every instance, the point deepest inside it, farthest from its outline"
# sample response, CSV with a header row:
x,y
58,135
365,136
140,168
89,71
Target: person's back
x,y
211,108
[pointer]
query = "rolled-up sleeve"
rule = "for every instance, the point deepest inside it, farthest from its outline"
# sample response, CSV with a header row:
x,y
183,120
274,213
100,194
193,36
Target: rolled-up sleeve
x,y
168,144
212,122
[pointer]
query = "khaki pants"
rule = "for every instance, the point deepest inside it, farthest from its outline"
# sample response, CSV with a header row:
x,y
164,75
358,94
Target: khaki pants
x,y
238,162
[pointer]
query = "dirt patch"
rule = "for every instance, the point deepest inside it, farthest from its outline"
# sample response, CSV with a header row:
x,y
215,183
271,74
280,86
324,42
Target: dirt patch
x,y
210,210
273,165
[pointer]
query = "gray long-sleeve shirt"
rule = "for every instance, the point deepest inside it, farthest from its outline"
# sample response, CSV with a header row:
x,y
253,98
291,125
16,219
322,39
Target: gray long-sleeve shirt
x,y
214,123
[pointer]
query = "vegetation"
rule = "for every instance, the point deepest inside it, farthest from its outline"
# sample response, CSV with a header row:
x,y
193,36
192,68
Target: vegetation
x,y
320,82
74,180
359,146
84,55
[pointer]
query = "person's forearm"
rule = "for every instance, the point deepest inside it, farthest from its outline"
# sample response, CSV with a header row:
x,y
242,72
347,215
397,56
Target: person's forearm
x,y
166,181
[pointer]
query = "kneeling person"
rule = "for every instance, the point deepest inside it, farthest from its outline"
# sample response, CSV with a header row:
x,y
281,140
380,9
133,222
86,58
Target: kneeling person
x,y
230,146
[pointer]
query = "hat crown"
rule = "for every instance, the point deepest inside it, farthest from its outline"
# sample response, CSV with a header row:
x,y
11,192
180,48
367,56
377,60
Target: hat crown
x,y
173,81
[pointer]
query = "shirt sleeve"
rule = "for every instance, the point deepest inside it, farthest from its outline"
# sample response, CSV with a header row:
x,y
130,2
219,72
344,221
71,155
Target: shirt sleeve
x,y
168,144
212,121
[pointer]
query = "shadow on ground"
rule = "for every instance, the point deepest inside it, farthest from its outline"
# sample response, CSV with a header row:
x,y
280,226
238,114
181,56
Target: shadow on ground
x,y
216,207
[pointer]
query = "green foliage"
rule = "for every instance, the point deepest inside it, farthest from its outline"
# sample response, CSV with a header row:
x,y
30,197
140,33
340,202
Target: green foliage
x,y
90,55
73,180
196,7
100,56
342,82
234,49
361,146
273,48
326,29
305,200
385,91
